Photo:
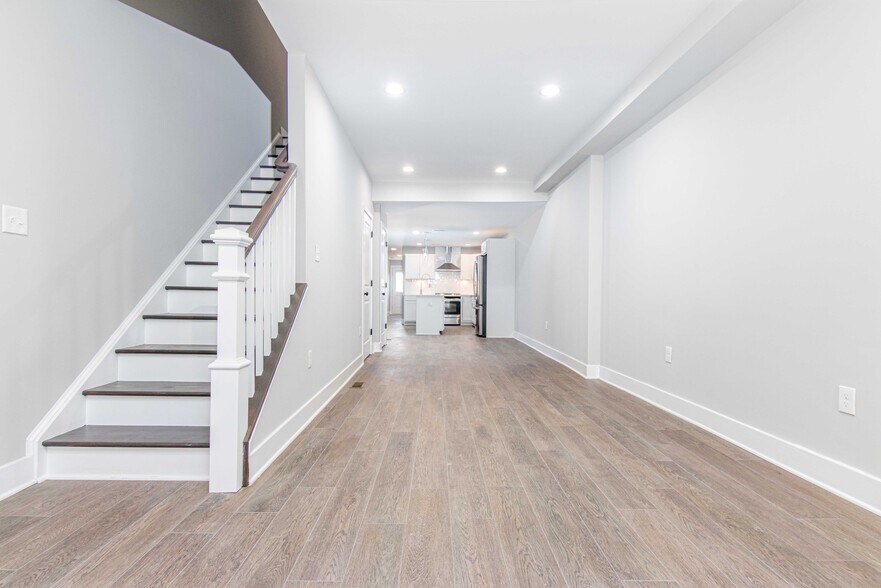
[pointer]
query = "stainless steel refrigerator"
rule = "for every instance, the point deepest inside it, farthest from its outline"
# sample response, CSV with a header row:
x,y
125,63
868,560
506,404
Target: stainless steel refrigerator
x,y
480,295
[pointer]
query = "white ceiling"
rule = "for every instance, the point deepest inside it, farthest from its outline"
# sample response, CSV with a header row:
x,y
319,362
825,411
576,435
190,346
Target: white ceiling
x,y
453,223
472,72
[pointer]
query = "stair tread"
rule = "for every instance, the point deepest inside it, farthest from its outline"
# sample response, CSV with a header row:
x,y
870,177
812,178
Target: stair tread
x,y
267,179
229,222
199,262
130,388
251,191
207,241
169,349
193,288
182,316
245,206
132,436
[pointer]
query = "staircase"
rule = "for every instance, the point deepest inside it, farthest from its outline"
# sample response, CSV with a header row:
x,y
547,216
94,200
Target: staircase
x,y
153,421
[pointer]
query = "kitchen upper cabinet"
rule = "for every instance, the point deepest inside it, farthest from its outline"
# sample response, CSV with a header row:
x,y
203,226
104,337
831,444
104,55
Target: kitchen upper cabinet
x,y
412,266
467,266
427,265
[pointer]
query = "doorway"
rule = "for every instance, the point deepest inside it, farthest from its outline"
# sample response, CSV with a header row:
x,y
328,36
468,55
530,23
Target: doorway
x,y
367,286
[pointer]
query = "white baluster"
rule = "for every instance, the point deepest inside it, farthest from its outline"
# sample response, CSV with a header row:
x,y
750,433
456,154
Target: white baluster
x,y
249,316
230,372
267,288
260,285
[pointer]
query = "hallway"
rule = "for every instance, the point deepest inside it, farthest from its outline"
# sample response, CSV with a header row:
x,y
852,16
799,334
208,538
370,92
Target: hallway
x,y
459,461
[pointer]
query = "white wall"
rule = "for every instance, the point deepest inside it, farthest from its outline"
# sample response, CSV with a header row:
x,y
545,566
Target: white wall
x,y
744,230
120,135
552,272
337,191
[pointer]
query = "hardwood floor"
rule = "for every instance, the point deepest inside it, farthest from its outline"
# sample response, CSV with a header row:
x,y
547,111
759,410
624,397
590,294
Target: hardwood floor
x,y
459,462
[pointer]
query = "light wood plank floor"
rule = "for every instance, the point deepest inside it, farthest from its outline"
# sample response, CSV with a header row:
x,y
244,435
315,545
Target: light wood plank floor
x,y
460,462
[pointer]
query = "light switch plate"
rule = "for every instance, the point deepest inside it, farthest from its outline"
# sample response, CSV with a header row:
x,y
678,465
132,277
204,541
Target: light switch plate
x,y
847,400
15,220
668,354
317,253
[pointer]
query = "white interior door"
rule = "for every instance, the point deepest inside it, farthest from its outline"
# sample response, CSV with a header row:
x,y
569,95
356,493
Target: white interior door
x,y
367,286
397,290
384,301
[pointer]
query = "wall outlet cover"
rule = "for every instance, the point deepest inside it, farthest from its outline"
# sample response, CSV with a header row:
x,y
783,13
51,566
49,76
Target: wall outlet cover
x,y
847,400
317,253
15,220
668,354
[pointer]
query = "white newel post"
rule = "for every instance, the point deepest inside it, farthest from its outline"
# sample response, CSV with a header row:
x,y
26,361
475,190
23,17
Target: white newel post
x,y
230,371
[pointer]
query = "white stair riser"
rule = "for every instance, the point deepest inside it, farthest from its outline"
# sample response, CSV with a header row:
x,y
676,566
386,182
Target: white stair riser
x,y
127,463
200,275
187,332
252,199
192,301
268,161
209,252
148,411
164,366
242,214
267,183
265,172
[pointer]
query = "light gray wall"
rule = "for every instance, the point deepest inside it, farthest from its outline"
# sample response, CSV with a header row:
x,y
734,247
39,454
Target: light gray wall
x,y
744,230
240,27
552,268
337,192
120,135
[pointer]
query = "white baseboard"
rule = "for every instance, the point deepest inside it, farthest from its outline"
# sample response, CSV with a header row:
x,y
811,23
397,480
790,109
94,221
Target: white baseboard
x,y
848,482
16,475
270,448
579,367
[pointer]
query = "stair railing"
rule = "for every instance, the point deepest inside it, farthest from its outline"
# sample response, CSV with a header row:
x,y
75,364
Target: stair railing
x,y
255,281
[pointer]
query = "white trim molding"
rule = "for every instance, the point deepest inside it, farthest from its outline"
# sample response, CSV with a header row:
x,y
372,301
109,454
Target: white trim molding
x,y
290,429
848,482
590,372
16,476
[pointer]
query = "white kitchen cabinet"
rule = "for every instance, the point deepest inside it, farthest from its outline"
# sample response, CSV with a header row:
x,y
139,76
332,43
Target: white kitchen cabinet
x,y
412,266
467,266
409,309
427,266
467,310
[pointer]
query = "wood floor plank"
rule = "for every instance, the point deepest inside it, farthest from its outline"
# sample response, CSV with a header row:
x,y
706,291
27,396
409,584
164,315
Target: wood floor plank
x,y
277,485
164,561
221,557
379,427
427,552
376,561
467,492
47,498
520,447
527,553
407,419
477,554
430,463
116,556
391,490
329,466
54,563
579,556
541,436
335,416
326,553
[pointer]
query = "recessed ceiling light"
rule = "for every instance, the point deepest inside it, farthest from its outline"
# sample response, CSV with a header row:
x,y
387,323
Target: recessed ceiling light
x,y
476,233
415,232
467,244
419,244
501,170
407,169
394,89
394,248
550,91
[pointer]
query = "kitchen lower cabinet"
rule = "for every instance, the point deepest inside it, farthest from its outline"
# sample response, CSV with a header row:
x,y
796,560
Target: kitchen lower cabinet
x,y
409,310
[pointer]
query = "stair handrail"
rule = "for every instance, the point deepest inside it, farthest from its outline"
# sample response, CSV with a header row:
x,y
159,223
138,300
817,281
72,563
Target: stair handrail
x,y
268,209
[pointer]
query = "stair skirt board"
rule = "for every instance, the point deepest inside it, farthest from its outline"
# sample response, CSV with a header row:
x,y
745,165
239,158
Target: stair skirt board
x,y
177,411
127,463
142,390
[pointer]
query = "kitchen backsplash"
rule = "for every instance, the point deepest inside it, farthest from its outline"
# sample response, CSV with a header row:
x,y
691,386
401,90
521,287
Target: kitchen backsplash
x,y
443,285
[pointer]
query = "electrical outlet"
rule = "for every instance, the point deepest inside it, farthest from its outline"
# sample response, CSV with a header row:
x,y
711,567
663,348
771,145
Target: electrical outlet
x,y
15,220
317,253
668,354
547,325
847,400
309,359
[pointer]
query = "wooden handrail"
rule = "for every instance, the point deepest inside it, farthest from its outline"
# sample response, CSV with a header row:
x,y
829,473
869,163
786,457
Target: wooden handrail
x,y
262,219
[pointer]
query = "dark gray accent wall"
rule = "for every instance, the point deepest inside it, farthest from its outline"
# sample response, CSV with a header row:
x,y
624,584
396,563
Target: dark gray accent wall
x,y
240,27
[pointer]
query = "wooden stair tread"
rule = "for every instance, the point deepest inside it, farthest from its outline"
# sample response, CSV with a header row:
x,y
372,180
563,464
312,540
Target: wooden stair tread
x,y
182,316
245,206
267,179
193,288
250,191
207,241
131,436
169,349
229,222
151,389
199,262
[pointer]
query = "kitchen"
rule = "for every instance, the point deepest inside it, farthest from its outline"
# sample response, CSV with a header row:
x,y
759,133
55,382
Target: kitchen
x,y
451,287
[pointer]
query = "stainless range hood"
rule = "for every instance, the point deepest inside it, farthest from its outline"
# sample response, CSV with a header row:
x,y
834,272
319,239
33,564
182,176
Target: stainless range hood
x,y
447,259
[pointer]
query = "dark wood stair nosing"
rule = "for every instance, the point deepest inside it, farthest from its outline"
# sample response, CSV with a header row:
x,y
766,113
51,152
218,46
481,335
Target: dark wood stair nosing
x,y
133,436
158,389
229,222
192,288
160,349
180,316
245,206
199,262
